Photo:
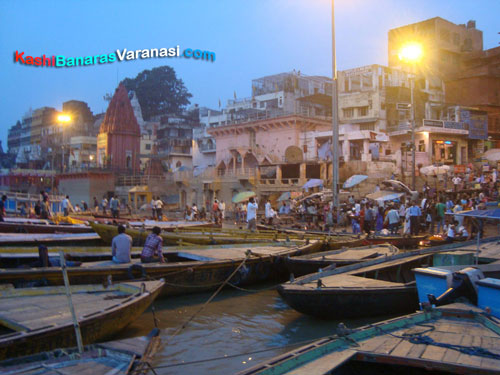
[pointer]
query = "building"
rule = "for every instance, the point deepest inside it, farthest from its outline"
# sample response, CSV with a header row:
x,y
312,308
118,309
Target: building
x,y
175,139
444,44
445,131
477,85
119,139
82,153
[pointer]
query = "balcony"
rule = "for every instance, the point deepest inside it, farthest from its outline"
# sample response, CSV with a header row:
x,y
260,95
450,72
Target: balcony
x,y
431,126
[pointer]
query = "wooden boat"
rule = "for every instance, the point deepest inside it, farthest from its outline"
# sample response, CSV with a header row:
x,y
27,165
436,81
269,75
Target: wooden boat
x,y
209,237
121,357
170,226
17,256
311,263
452,339
50,239
187,271
39,319
401,242
377,287
28,227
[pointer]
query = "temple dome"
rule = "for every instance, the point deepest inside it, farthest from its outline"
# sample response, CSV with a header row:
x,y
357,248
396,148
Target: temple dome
x,y
120,118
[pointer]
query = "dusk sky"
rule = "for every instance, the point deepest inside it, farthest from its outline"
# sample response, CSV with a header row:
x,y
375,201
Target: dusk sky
x,y
251,39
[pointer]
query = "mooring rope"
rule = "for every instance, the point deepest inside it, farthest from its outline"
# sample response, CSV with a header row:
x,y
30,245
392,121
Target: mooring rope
x,y
185,324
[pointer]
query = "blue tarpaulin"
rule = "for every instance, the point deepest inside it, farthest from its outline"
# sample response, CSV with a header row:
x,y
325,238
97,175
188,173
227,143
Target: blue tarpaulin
x,y
481,214
313,182
354,180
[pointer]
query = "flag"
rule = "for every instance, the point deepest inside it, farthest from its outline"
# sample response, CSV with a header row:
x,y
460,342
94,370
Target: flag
x,y
235,95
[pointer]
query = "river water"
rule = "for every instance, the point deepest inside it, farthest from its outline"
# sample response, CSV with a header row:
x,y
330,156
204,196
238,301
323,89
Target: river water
x,y
234,322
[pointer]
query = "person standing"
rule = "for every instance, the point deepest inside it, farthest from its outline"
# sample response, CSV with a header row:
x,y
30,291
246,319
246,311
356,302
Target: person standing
x,y
415,213
2,207
392,218
152,251
367,225
65,205
121,246
159,208
252,214
153,208
440,210
222,209
268,213
215,211
104,204
194,209
96,205
114,206
456,181
45,210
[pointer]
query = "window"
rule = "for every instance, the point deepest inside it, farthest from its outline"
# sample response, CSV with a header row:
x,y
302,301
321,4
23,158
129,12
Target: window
x,y
363,111
445,35
421,146
148,146
369,126
456,39
348,112
346,84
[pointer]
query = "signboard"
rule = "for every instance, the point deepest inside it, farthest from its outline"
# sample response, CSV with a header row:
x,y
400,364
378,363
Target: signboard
x,y
434,123
459,168
403,106
477,124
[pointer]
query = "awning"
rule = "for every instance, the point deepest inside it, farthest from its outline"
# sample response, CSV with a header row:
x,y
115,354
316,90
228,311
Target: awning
x,y
383,196
313,182
354,180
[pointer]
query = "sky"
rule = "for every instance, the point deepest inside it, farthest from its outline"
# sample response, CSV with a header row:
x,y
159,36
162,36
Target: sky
x,y
251,39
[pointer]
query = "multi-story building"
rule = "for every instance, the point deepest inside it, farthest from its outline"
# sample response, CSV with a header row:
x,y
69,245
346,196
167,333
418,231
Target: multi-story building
x,y
82,153
477,85
443,131
444,44
175,139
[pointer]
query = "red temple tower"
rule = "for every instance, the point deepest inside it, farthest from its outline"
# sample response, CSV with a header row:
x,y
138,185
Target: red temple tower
x,y
119,139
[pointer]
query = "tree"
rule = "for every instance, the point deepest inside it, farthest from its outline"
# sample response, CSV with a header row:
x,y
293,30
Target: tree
x,y
159,91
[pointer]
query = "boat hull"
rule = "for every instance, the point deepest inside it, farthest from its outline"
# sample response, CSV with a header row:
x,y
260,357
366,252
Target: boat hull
x,y
340,304
6,227
93,328
180,277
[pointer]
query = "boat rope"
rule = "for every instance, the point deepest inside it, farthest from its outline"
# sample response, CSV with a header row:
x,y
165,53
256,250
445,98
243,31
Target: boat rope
x,y
420,338
185,324
272,287
294,345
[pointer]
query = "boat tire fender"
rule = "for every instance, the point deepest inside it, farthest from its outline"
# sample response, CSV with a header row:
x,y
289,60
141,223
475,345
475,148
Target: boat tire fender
x,y
136,267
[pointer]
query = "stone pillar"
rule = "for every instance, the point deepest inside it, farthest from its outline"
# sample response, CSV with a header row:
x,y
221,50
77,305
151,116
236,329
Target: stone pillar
x,y
366,150
242,164
234,164
302,171
322,171
346,149
278,174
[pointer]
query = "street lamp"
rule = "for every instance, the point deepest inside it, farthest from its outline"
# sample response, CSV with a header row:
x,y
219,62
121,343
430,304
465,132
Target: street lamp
x,y
335,121
63,119
412,53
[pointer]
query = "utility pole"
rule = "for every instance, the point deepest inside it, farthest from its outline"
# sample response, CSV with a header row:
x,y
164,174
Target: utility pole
x,y
335,120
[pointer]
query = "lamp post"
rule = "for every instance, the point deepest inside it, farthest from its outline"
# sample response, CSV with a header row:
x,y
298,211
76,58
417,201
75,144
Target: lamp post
x,y
335,121
63,119
411,53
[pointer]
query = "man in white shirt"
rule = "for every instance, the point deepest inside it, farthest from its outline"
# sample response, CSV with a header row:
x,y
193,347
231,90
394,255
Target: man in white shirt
x,y
121,246
65,205
159,207
252,214
222,208
104,204
268,213
456,181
